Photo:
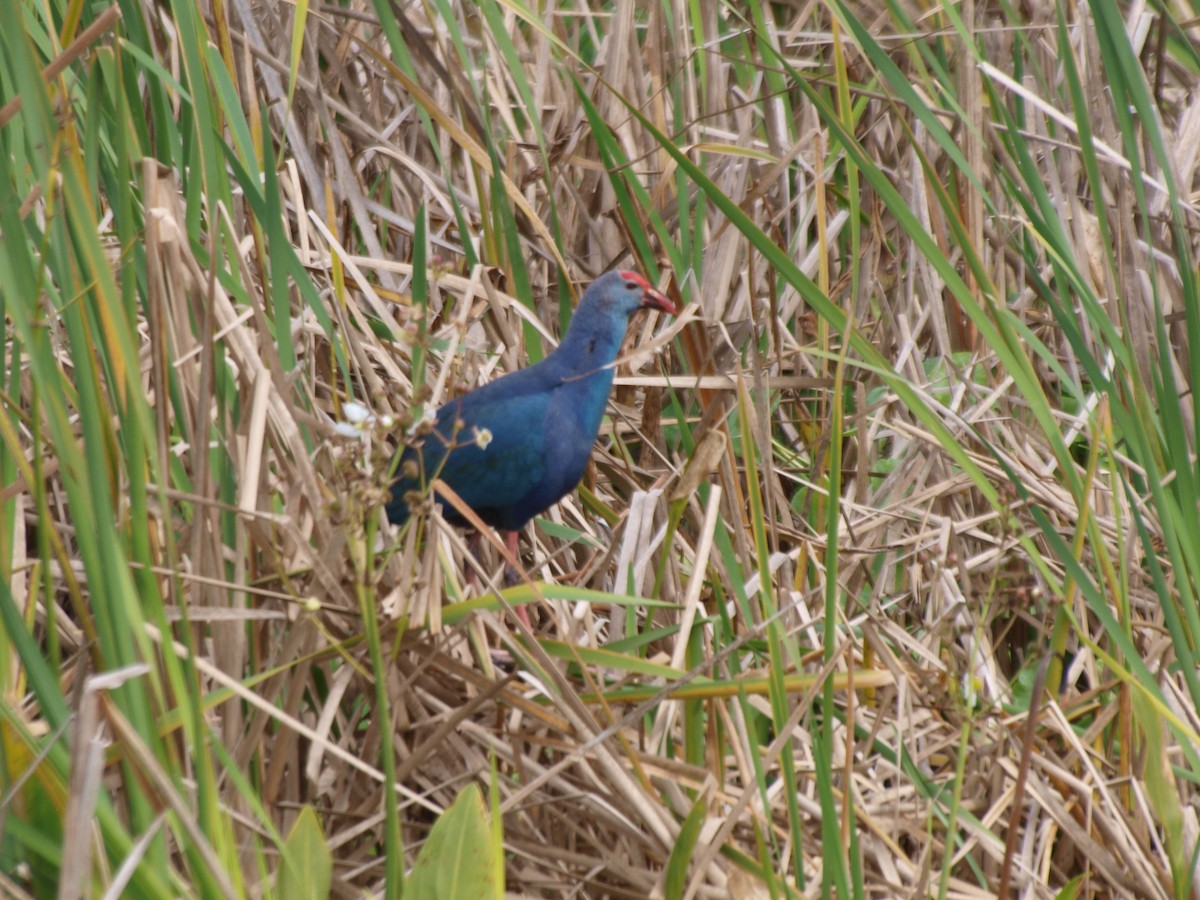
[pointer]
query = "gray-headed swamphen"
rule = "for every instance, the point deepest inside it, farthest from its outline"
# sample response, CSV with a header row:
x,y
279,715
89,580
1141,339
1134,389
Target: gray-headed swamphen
x,y
513,448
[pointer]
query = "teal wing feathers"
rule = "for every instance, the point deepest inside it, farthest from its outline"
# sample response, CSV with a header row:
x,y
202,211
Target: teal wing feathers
x,y
497,458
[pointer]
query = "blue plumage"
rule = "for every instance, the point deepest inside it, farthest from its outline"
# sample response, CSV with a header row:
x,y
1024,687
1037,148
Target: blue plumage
x,y
540,422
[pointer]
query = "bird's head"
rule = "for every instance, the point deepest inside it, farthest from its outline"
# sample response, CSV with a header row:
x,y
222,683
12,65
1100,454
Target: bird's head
x,y
627,292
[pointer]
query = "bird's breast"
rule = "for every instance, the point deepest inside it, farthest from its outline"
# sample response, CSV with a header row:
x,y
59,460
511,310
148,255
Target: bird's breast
x,y
571,427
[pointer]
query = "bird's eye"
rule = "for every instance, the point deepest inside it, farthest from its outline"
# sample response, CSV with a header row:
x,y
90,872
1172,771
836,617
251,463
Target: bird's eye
x,y
631,285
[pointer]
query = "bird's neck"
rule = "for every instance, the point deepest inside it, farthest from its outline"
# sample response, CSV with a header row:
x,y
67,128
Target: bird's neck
x,y
582,366
590,347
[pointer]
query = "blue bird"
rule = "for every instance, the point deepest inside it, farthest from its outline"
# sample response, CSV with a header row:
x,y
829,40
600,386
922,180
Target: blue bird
x,y
513,448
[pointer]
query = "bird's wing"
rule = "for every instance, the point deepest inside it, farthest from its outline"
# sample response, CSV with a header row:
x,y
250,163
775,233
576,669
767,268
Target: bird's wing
x,y
498,456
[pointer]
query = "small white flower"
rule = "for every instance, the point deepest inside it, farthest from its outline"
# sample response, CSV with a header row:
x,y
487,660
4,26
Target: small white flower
x,y
428,415
971,686
356,413
357,421
483,437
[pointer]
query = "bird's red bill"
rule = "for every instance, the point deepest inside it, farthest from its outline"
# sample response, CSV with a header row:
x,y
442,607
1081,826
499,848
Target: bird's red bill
x,y
651,297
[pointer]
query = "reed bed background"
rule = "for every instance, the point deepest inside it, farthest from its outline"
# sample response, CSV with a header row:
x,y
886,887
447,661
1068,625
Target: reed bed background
x,y
883,581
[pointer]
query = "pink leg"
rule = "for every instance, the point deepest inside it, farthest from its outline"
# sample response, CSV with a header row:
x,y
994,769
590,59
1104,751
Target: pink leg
x,y
511,576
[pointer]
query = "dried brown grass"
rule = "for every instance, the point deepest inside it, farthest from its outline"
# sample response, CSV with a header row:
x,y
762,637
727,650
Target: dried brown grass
x,y
947,603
